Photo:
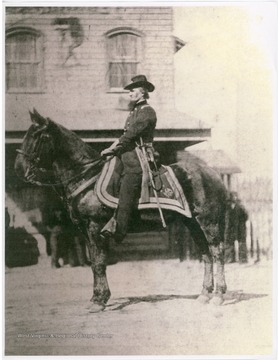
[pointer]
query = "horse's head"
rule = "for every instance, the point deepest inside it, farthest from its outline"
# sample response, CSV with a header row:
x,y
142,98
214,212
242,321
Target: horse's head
x,y
36,153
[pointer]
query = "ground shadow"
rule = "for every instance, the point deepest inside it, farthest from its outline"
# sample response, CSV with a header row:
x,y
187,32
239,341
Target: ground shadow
x,y
121,303
230,298
233,297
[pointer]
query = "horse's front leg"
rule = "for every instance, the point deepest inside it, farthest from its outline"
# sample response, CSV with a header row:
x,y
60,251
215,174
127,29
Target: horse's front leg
x,y
208,279
98,256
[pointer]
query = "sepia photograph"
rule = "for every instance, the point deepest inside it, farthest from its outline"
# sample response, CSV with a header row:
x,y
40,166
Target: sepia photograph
x,y
139,179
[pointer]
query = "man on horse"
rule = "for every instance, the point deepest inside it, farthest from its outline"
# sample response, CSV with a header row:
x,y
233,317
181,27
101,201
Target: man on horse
x,y
138,132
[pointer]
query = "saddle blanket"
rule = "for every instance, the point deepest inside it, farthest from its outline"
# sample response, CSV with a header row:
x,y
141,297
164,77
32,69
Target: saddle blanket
x,y
170,193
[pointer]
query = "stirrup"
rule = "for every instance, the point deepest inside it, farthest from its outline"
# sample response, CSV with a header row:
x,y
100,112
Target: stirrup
x,y
106,235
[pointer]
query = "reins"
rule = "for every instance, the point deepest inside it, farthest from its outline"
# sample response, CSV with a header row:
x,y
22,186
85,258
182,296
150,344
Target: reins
x,y
92,163
67,181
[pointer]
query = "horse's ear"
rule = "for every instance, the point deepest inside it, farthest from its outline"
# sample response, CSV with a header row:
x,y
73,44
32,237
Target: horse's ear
x,y
34,118
37,119
31,116
35,111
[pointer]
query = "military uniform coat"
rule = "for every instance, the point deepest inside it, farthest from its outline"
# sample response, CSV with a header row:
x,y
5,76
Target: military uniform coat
x,y
140,123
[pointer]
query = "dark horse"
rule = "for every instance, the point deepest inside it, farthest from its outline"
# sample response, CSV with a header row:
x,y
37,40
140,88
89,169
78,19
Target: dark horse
x,y
54,156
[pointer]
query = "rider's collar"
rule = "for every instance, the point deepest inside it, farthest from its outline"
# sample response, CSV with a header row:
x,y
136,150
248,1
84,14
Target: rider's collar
x,y
139,103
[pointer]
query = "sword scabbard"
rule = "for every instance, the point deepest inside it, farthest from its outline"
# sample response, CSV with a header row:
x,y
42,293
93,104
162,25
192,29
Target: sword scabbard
x,y
153,184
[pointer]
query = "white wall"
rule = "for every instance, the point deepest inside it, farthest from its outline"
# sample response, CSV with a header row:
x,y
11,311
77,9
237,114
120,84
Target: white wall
x,y
224,75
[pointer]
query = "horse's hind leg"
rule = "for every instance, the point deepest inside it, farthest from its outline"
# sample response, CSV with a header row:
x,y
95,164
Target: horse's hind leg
x,y
220,286
201,241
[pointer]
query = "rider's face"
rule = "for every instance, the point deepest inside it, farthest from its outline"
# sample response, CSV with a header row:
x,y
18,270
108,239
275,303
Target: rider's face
x,y
136,94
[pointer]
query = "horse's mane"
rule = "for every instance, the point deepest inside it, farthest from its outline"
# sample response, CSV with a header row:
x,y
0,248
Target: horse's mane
x,y
71,144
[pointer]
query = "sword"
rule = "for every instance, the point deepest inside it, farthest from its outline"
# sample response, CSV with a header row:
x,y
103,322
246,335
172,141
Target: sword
x,y
153,184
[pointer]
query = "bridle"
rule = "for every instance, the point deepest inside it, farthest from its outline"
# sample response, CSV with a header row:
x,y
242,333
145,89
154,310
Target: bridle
x,y
34,159
35,156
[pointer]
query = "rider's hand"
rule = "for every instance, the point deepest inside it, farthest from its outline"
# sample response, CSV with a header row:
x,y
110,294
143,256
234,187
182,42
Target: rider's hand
x,y
107,152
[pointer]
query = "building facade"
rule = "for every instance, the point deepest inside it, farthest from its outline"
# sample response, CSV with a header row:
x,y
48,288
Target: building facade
x,y
71,65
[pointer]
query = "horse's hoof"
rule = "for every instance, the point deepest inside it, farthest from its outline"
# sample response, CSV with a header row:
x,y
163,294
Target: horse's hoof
x,y
203,299
95,308
217,300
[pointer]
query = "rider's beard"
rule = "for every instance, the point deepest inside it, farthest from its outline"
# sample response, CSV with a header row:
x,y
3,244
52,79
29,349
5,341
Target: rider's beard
x,y
131,104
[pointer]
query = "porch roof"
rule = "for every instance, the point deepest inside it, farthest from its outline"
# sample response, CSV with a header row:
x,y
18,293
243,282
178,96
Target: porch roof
x,y
106,125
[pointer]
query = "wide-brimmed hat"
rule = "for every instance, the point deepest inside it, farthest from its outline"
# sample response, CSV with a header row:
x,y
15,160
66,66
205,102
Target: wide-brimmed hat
x,y
140,81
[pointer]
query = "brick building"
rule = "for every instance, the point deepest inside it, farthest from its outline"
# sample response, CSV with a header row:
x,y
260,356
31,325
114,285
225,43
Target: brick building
x,y
71,64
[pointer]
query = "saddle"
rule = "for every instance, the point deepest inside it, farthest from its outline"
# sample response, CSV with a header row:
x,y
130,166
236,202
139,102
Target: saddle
x,y
169,191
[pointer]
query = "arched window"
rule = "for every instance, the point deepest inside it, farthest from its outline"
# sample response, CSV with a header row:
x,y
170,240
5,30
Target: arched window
x,y
124,47
24,60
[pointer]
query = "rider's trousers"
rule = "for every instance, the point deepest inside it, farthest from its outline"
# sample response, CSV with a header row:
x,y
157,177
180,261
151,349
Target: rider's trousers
x,y
129,196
